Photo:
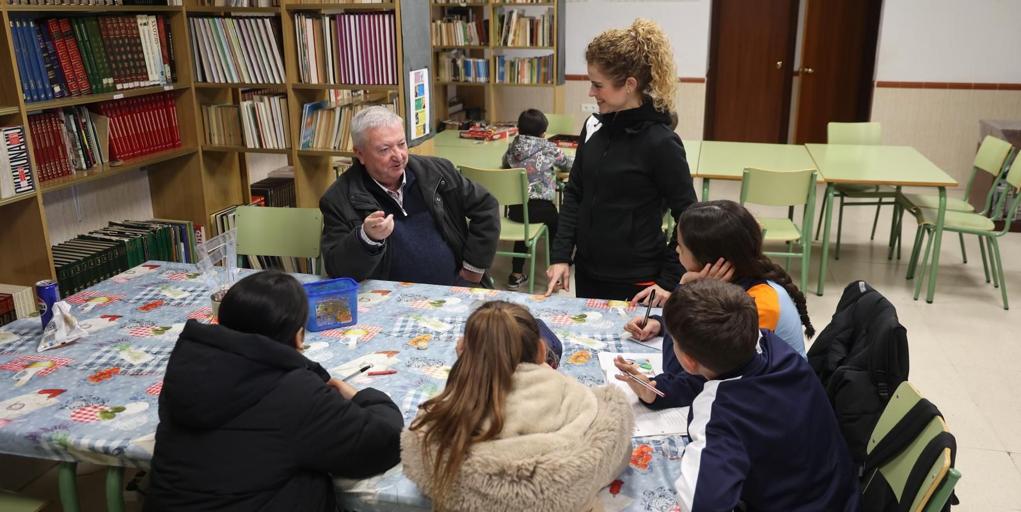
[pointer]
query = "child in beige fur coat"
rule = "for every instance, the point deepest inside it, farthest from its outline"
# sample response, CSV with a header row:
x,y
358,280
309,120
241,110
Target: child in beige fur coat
x,y
510,433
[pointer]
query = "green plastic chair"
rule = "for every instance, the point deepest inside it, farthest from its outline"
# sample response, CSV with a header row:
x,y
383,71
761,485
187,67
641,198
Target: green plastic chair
x,y
284,232
11,502
991,158
972,223
510,187
562,124
784,188
859,134
941,479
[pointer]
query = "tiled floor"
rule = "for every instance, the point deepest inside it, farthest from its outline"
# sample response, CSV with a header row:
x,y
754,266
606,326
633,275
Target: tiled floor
x,y
965,357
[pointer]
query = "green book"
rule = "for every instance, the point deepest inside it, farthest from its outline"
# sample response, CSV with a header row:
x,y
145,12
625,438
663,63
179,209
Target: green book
x,y
103,66
85,51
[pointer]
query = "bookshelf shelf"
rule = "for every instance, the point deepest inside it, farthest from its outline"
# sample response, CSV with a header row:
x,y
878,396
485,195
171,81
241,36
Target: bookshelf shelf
x,y
210,85
97,98
504,84
354,87
389,6
447,47
324,152
90,9
211,9
242,149
523,4
457,4
108,170
463,84
7,111
524,48
17,198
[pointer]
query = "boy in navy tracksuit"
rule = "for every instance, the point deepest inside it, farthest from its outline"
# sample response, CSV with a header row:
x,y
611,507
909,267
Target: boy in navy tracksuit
x,y
763,434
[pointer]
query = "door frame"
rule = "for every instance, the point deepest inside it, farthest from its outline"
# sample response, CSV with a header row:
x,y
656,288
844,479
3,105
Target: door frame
x,y
708,123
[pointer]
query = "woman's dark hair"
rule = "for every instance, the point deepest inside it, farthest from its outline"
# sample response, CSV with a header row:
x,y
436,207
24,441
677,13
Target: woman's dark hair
x,y
270,303
532,122
724,229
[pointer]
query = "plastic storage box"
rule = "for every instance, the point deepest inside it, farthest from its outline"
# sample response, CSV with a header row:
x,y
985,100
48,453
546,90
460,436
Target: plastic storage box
x,y
332,303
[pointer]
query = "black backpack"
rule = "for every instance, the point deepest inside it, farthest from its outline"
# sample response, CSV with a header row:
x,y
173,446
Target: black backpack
x,y
860,357
877,493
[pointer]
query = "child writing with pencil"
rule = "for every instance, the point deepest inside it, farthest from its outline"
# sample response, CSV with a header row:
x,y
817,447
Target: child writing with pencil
x,y
508,432
722,240
763,434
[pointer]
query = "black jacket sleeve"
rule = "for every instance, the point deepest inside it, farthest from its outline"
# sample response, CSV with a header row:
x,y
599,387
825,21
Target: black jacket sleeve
x,y
483,213
672,176
354,438
567,223
344,253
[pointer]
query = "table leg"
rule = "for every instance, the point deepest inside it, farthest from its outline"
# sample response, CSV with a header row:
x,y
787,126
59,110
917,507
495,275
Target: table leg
x,y
938,234
115,489
705,189
895,223
828,208
67,483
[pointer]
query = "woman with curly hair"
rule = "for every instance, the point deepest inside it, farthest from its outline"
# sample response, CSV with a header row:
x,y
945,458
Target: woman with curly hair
x,y
629,169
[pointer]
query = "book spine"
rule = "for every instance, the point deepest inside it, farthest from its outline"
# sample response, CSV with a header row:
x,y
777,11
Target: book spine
x,y
17,156
54,73
22,63
55,34
43,67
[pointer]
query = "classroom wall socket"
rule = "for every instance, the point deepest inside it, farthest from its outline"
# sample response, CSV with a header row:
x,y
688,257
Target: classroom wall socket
x,y
589,108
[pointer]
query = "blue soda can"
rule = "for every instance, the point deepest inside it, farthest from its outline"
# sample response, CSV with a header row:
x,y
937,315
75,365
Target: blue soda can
x,y
46,293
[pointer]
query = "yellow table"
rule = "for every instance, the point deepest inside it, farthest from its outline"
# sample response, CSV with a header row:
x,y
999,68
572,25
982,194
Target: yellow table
x,y
898,166
728,160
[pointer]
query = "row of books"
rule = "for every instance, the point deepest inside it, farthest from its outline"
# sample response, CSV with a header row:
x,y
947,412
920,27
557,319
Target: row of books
x,y
341,1
327,125
236,50
240,3
104,253
516,29
524,70
16,302
141,126
67,140
347,48
457,31
95,2
260,121
274,192
61,57
455,67
15,168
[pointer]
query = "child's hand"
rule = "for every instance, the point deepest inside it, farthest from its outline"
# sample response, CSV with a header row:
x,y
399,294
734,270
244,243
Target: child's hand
x,y
641,333
721,270
346,390
644,394
661,296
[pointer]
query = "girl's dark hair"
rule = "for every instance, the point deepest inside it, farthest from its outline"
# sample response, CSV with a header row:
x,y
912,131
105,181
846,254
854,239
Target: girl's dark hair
x,y
532,122
270,303
724,229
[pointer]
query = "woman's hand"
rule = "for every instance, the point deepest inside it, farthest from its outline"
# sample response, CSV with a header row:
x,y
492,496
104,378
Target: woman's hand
x,y
346,390
559,276
641,332
721,270
661,296
644,394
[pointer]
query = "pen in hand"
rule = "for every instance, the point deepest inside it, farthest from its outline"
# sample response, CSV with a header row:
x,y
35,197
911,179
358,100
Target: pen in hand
x,y
648,307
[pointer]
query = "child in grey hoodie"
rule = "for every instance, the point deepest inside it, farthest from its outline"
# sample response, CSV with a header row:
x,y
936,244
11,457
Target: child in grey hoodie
x,y
538,156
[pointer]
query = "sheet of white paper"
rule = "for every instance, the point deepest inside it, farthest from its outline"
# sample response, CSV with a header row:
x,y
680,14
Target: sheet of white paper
x,y
647,421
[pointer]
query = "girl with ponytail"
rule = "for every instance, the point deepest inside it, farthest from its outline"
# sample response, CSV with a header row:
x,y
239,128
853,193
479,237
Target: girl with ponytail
x,y
721,239
629,169
510,433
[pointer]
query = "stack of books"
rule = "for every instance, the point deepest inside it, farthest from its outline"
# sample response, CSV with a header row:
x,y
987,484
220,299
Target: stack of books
x,y
16,302
61,57
516,29
100,2
355,48
236,50
68,140
259,122
327,125
458,31
456,67
240,3
104,253
15,168
274,192
524,70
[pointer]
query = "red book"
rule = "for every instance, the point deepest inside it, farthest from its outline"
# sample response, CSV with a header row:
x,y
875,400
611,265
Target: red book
x,y
374,47
117,149
48,147
138,138
52,27
134,38
157,112
37,144
63,156
175,130
364,41
75,56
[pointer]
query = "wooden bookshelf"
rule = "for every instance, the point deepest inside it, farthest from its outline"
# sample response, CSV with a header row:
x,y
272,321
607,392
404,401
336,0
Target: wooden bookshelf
x,y
211,85
386,6
89,99
19,197
9,111
484,96
211,9
108,170
242,149
91,9
353,87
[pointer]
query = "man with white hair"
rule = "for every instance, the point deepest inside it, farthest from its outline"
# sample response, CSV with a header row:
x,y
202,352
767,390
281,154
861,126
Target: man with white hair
x,y
404,217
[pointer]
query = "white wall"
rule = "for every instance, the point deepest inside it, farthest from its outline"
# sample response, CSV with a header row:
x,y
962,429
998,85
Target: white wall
x,y
686,22
950,41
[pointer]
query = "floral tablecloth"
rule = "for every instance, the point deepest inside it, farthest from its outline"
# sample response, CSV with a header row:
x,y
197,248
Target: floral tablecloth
x,y
96,400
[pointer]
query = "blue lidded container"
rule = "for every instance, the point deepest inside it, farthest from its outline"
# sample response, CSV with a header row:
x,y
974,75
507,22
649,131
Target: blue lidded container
x,y
332,303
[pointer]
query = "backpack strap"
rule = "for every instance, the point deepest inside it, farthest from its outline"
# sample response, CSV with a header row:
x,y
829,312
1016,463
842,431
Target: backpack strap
x,y
901,435
920,470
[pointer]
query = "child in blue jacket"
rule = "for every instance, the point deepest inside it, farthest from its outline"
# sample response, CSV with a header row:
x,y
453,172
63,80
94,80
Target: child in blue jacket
x,y
763,434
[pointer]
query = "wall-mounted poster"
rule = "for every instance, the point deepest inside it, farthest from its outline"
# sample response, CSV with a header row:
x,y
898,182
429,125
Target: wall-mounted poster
x,y
418,103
